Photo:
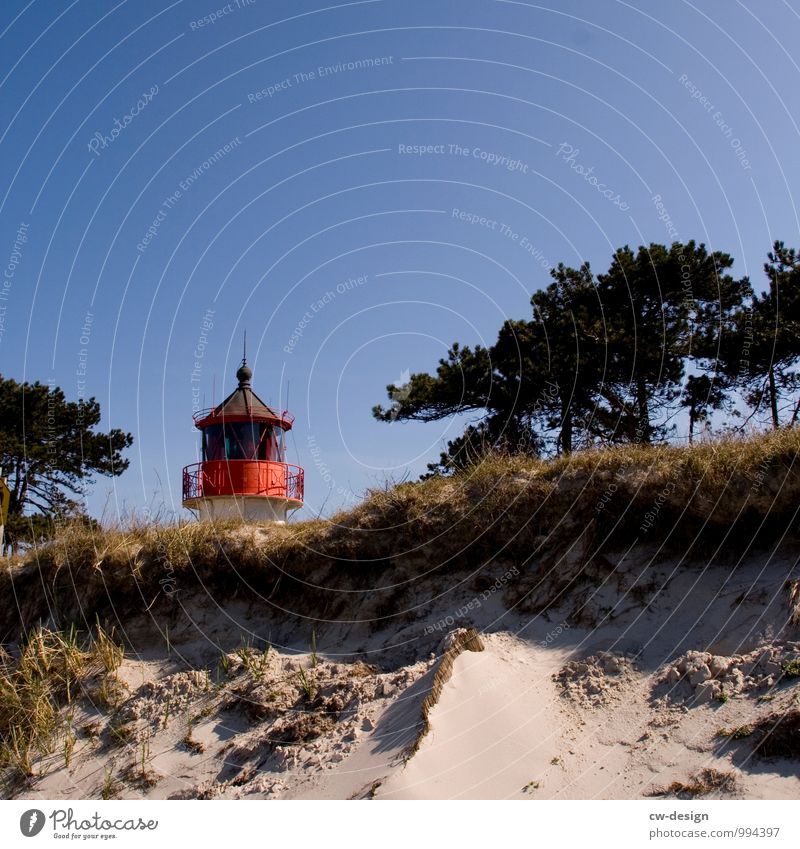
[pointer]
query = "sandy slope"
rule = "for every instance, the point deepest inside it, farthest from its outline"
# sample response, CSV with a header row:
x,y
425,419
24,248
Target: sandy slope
x,y
549,709
501,730
497,726
506,726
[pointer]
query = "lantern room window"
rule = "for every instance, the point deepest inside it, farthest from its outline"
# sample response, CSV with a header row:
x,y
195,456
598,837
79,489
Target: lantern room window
x,y
246,440
213,443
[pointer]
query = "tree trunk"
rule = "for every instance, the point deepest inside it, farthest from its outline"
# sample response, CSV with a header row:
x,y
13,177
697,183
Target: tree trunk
x,y
796,412
17,481
23,495
566,428
691,423
643,429
773,398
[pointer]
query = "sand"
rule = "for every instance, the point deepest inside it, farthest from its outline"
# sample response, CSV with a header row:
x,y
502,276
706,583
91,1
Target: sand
x,y
617,705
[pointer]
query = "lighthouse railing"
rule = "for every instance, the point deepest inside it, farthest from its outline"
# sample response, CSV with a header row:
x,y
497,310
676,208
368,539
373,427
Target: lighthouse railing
x,y
265,478
210,414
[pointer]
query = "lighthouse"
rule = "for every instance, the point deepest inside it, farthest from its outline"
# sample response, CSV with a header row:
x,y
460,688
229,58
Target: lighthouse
x,y
243,473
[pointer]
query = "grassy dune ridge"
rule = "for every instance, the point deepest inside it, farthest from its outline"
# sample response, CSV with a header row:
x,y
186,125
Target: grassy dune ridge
x,y
84,610
713,498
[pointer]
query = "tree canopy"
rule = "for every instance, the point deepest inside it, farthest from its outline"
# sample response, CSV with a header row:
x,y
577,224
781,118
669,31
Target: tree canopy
x,y
614,357
49,447
761,354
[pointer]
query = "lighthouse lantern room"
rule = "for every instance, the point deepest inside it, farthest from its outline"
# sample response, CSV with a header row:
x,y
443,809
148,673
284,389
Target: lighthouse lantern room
x,y
243,473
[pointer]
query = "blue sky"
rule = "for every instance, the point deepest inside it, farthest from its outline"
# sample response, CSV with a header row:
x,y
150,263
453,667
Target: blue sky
x,y
175,166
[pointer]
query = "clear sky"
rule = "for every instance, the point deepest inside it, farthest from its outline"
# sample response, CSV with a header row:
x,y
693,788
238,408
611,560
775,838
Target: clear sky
x,y
358,185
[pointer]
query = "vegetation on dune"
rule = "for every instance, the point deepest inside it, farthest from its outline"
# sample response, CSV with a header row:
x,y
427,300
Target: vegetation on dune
x,y
506,508
779,735
708,780
49,671
53,681
466,639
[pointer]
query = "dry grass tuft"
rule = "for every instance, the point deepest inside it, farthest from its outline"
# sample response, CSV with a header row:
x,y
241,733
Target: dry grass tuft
x,y
779,736
50,670
793,586
465,639
707,781
739,732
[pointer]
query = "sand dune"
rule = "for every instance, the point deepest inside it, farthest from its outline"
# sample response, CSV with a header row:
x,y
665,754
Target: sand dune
x,y
496,727
612,694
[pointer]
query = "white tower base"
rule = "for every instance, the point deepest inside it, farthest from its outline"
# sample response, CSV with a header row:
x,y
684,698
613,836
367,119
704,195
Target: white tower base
x,y
250,508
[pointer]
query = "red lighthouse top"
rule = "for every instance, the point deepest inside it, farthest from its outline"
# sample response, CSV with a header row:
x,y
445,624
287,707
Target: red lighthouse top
x,y
243,455
243,427
243,405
